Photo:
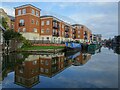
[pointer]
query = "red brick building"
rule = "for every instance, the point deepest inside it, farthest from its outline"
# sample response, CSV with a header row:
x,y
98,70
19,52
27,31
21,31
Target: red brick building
x,y
27,21
47,29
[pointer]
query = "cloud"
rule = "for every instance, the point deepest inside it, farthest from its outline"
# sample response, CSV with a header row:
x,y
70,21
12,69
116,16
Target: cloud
x,y
9,11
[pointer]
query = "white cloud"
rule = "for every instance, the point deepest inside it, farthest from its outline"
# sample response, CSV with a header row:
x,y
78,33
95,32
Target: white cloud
x,y
9,11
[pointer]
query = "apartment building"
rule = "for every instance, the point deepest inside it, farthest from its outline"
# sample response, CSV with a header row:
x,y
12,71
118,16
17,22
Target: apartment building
x,y
83,34
55,30
27,21
47,29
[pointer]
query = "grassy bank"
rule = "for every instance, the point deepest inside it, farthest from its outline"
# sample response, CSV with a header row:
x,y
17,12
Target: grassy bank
x,y
41,47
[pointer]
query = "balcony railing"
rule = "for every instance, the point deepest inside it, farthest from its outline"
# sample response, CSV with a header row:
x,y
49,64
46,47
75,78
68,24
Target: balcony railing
x,y
74,31
56,34
21,24
66,36
74,37
55,26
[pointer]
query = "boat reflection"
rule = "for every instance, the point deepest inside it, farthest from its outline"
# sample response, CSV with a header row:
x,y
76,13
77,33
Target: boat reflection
x,y
28,67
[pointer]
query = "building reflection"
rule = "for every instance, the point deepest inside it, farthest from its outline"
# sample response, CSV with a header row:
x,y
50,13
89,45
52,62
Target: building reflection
x,y
27,73
28,67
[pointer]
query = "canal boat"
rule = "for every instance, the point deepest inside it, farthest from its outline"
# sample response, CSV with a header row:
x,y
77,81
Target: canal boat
x,y
72,46
93,47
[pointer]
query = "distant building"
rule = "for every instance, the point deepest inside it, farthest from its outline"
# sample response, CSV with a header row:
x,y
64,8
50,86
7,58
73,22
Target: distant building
x,y
9,19
83,34
97,38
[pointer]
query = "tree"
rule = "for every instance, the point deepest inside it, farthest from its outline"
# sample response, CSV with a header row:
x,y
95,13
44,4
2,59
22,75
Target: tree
x,y
3,22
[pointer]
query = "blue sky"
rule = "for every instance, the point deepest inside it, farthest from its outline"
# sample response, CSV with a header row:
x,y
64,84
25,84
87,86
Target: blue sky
x,y
99,17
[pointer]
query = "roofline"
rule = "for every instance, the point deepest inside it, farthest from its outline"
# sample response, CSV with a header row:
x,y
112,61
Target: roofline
x,y
26,5
44,16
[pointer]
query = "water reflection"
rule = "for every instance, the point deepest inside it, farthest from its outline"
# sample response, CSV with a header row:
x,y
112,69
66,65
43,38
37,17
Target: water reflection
x,y
28,66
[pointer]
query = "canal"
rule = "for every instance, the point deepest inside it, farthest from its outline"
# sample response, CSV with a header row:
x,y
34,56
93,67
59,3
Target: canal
x,y
61,70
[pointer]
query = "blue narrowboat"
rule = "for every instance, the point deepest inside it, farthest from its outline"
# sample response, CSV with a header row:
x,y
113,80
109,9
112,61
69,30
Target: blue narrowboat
x,y
72,45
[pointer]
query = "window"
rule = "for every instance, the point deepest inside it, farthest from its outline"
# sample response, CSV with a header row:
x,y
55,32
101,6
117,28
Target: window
x,y
47,31
46,62
48,22
19,12
37,22
62,26
42,62
42,31
46,70
79,32
78,36
34,62
32,21
24,11
24,29
42,69
42,23
21,22
33,11
37,14
18,29
34,30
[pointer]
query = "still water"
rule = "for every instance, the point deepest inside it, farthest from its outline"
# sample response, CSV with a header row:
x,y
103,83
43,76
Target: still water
x,y
61,70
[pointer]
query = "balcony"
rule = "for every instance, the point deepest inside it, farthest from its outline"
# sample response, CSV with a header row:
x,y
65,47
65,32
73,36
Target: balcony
x,y
66,36
67,28
21,24
56,34
74,37
55,26
74,32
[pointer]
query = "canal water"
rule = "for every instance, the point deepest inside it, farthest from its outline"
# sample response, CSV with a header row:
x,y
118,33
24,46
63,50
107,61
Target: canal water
x,y
61,70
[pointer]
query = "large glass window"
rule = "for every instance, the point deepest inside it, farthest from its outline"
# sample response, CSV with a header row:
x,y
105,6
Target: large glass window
x,y
24,11
37,23
47,31
42,23
19,12
37,14
32,21
21,22
42,31
33,11
48,22
46,62
34,62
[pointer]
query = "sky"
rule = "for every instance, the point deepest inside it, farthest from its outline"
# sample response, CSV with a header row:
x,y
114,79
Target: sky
x,y
99,17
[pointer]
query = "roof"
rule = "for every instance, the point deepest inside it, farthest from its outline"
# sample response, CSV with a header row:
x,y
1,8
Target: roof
x,y
11,17
55,18
26,5
2,28
77,25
